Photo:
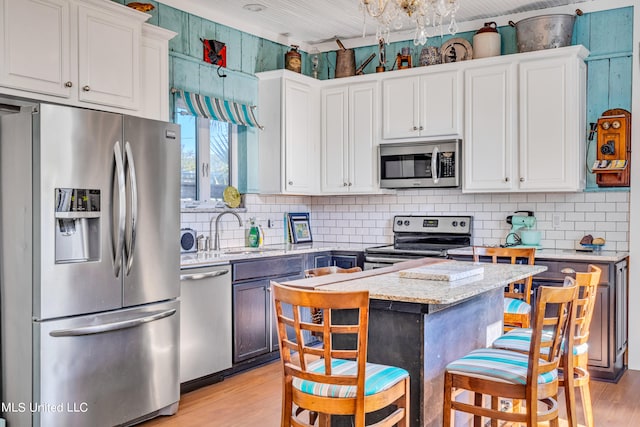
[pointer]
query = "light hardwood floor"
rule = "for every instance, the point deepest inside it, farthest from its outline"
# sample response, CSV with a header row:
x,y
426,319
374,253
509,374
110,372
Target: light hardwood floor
x,y
252,399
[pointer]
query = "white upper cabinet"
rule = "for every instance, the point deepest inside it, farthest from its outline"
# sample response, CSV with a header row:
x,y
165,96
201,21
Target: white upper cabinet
x,y
349,138
109,58
525,122
35,43
427,105
489,144
78,52
552,124
154,72
289,144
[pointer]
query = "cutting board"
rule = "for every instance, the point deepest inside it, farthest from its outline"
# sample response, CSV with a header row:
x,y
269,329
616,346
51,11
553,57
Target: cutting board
x,y
442,272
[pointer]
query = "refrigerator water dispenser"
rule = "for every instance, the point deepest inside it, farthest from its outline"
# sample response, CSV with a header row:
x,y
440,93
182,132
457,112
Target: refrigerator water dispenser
x,y
77,215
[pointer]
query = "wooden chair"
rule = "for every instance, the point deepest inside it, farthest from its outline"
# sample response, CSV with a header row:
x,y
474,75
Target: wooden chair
x,y
316,313
328,380
517,296
530,377
520,339
322,271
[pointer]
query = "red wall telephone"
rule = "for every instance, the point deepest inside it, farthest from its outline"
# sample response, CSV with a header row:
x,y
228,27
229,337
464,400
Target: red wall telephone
x,y
613,164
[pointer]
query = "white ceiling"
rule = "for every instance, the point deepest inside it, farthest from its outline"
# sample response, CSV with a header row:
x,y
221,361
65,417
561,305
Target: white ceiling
x,y
316,23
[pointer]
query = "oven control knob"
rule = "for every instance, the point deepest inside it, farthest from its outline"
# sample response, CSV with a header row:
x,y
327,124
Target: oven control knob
x,y
463,223
406,222
399,222
454,223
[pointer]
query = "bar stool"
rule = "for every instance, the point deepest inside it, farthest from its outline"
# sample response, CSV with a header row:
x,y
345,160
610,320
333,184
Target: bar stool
x,y
520,340
327,380
532,377
322,271
517,296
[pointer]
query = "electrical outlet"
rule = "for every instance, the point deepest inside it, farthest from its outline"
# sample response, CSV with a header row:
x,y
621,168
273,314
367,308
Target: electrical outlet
x,y
556,219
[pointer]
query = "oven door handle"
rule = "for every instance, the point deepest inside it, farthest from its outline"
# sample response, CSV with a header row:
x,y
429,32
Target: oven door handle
x,y
384,259
435,173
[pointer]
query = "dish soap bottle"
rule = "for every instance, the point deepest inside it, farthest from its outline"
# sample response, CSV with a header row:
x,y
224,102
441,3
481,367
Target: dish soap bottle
x,y
253,235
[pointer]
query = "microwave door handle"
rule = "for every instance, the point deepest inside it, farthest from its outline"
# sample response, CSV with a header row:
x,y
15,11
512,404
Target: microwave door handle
x,y
435,174
131,167
118,244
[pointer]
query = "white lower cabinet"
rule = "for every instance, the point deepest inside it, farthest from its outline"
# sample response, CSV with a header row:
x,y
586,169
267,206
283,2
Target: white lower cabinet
x,y
525,123
289,143
349,138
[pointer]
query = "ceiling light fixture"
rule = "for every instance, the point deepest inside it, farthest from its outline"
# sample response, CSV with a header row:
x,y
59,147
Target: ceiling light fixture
x,y
254,7
392,13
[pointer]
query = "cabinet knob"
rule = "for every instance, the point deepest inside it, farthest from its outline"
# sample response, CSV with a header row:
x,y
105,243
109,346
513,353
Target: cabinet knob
x,y
344,184
506,179
521,179
415,128
68,84
350,184
86,88
290,182
421,127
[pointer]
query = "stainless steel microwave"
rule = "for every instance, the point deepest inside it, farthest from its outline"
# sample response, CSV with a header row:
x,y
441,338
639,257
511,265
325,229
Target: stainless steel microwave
x,y
420,164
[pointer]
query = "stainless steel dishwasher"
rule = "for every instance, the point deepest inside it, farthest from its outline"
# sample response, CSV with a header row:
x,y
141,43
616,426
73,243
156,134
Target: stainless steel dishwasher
x,y
205,323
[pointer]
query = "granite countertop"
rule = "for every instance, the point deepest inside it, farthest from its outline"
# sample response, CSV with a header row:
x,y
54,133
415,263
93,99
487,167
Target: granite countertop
x,y
226,255
562,254
389,285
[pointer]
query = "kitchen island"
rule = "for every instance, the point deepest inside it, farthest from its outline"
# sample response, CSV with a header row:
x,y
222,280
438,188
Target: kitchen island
x,y
421,325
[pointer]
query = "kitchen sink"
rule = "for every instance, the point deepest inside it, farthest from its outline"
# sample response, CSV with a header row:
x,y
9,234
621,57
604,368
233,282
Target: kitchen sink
x,y
248,251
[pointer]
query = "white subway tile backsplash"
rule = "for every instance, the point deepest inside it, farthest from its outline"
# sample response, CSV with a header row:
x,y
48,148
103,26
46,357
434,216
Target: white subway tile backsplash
x,y
368,219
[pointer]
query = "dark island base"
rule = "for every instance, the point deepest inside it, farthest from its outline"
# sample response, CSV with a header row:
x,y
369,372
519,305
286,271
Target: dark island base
x,y
423,339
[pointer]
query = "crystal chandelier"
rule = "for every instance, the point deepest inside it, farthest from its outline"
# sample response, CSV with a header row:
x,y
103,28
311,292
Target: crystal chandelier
x,y
391,14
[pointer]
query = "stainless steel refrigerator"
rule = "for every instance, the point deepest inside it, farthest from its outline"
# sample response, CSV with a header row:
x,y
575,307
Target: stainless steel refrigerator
x,y
90,266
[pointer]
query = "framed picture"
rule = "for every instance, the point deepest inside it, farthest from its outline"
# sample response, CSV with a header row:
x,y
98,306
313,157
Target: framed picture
x,y
300,228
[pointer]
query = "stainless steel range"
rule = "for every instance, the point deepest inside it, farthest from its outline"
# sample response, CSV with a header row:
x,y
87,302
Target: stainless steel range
x,y
418,236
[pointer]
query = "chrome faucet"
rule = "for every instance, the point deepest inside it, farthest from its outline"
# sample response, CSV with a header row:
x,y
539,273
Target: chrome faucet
x,y
216,239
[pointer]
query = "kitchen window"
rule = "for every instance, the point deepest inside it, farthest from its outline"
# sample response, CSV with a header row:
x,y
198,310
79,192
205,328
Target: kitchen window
x,y
207,155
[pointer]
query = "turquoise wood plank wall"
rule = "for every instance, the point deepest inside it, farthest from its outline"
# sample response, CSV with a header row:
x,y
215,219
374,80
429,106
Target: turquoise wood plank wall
x,y
607,34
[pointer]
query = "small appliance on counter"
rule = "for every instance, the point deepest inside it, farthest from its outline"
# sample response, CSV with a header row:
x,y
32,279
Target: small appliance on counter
x,y
522,232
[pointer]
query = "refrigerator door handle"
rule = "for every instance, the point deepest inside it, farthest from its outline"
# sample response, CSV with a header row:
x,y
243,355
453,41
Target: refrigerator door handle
x,y
114,326
131,167
119,244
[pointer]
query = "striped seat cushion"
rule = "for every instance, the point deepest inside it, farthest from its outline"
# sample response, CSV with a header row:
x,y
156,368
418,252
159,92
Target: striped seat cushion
x,y
519,339
516,306
498,365
378,378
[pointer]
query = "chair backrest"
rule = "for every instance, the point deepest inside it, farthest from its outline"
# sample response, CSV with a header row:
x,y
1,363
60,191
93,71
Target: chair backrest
x,y
290,327
322,271
513,255
587,291
554,318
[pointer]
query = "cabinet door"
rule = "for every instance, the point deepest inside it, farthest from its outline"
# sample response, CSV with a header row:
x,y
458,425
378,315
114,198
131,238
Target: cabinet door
x,y
363,137
400,107
489,148
335,140
622,274
108,55
35,57
300,136
154,73
599,330
440,105
251,320
551,106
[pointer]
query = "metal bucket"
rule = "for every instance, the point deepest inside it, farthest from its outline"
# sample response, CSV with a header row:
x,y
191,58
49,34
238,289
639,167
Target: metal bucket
x,y
544,32
345,63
